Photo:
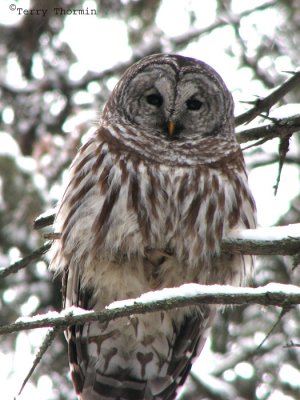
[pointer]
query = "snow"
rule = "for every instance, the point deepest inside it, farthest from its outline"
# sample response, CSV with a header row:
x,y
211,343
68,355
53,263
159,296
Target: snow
x,y
188,290
54,315
268,233
244,370
278,288
75,311
192,289
47,213
30,305
38,317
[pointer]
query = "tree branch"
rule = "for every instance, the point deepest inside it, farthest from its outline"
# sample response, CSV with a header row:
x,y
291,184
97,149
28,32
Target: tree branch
x,y
266,104
195,33
166,299
44,347
24,262
280,240
43,220
280,128
275,240
154,47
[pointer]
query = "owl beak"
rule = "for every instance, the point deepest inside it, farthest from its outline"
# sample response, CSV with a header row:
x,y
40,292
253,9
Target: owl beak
x,y
171,127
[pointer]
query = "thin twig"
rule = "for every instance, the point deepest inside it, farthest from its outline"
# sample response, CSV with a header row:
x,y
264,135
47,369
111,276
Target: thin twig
x,y
283,150
231,359
194,33
291,344
258,143
281,315
24,262
52,332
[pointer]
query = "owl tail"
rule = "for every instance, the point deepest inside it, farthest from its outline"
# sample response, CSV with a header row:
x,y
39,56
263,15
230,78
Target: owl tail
x,y
190,336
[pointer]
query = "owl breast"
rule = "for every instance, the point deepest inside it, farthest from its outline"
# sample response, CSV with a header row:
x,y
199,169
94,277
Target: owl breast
x,y
151,214
140,227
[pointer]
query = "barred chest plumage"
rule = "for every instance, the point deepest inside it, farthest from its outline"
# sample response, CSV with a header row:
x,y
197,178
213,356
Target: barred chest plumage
x,y
132,209
141,226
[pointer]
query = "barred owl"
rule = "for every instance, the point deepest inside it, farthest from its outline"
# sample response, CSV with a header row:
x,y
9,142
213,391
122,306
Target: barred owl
x,y
150,197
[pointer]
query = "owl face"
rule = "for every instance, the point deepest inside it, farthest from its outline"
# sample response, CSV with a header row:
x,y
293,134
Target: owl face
x,y
174,98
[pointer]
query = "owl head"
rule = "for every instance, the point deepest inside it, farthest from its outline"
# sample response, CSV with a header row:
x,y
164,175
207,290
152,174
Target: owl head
x,y
172,97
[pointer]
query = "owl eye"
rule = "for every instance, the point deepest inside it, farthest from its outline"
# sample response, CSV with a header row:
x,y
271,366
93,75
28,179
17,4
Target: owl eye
x,y
154,99
193,104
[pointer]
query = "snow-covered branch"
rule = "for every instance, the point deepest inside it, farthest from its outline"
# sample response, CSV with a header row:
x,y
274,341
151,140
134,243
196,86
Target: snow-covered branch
x,y
276,240
185,295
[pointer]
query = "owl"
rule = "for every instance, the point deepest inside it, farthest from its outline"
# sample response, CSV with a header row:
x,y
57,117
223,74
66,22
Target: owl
x,y
149,198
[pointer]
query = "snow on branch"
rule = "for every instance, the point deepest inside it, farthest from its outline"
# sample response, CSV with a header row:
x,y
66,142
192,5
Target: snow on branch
x,y
45,219
276,240
166,299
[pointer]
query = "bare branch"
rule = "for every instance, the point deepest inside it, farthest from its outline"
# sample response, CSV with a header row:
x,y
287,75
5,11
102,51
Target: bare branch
x,y
269,159
46,344
194,33
281,315
262,105
281,128
154,47
291,344
250,61
166,299
34,256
